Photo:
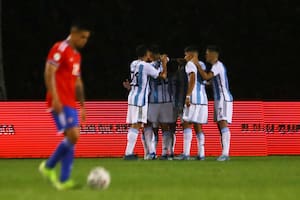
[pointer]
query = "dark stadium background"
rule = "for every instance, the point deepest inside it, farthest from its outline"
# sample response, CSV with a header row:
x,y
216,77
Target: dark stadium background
x,y
259,40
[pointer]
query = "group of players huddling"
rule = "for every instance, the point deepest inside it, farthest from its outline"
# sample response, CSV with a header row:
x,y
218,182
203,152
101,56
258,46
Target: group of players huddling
x,y
157,99
154,101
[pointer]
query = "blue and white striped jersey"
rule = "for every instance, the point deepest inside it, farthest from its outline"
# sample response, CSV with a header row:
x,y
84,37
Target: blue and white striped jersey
x,y
160,91
220,82
140,74
199,93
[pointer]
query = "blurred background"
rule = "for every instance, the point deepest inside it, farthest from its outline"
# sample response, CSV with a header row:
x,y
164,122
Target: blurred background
x,y
259,41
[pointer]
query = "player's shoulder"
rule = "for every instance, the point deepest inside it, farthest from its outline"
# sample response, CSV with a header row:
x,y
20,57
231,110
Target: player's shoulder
x,y
61,46
203,65
135,62
191,65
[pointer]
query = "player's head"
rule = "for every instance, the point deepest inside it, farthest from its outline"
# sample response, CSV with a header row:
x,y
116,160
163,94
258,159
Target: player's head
x,y
155,53
212,53
79,35
190,52
143,52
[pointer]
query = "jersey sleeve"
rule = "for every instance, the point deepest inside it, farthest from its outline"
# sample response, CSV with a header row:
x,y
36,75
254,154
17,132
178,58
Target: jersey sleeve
x,y
151,71
203,66
216,69
190,68
55,56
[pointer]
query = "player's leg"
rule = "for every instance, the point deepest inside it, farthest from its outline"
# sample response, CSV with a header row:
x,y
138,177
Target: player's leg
x,y
155,128
149,140
200,141
136,116
72,134
166,117
146,152
200,117
224,117
173,139
150,129
166,139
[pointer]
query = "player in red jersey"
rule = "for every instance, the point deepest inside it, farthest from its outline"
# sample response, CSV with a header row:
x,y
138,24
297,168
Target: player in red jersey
x,y
64,87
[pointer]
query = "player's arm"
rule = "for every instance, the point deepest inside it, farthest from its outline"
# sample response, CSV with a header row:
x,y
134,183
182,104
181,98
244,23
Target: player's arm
x,y
49,76
80,96
164,60
191,86
205,75
126,85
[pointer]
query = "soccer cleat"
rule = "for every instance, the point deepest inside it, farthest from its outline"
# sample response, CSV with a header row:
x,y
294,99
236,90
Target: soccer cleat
x,y
182,157
49,174
130,157
67,185
223,158
163,157
200,158
151,156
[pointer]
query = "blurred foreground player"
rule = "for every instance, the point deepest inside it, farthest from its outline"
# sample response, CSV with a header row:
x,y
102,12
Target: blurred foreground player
x,y
64,87
222,96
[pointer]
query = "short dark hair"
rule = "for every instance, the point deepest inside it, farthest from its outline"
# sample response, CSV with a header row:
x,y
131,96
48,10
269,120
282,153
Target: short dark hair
x,y
191,48
141,50
154,48
81,26
214,48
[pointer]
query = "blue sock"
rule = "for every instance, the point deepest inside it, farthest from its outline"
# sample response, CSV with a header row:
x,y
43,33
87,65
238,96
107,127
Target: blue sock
x,y
66,165
61,150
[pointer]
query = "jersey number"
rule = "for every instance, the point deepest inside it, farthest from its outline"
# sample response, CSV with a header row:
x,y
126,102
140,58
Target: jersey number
x,y
75,70
134,79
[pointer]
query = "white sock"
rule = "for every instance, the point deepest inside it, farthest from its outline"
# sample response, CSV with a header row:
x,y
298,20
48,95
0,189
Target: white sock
x,y
165,142
226,141
148,132
173,143
154,143
144,145
187,140
131,140
200,142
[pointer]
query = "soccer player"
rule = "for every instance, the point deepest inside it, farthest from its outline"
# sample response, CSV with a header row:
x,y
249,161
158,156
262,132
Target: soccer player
x,y
138,96
161,110
195,111
222,96
64,87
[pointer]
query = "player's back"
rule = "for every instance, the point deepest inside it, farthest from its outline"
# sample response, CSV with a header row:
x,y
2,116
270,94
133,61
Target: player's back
x,y
220,82
138,95
160,89
67,60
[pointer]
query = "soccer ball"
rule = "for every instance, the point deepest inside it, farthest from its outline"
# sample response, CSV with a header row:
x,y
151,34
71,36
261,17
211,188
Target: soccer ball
x,y
98,178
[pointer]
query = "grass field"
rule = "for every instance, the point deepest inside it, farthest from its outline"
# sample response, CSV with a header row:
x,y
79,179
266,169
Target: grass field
x,y
240,178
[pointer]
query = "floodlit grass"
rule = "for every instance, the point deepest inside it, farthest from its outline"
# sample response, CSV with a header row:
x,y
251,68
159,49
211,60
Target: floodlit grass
x,y
240,178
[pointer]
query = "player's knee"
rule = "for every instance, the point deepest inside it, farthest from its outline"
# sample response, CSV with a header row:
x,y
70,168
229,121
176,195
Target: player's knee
x,y
73,135
222,124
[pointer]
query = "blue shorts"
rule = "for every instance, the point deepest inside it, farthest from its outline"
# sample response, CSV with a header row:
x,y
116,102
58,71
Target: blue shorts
x,y
68,118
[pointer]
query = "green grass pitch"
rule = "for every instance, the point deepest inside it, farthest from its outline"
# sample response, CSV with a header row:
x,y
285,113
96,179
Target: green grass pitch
x,y
240,178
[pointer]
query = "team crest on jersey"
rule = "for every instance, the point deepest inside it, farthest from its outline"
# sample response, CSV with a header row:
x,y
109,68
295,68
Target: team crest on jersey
x,y
57,56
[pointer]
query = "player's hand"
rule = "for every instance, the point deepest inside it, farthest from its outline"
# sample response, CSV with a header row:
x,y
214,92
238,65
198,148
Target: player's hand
x,y
82,113
187,101
164,59
57,106
126,84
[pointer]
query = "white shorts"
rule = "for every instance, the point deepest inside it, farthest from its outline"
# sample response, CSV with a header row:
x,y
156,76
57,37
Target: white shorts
x,y
223,111
137,114
195,114
161,113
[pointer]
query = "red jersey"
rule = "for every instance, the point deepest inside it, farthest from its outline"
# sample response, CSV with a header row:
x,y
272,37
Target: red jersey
x,y
67,60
